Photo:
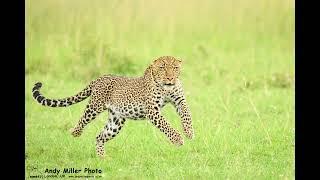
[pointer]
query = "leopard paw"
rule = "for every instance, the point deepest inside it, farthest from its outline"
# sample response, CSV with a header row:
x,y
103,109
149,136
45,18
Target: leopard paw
x,y
75,132
100,151
189,133
177,139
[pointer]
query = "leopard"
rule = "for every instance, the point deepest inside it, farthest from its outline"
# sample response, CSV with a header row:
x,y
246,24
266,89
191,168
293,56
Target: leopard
x,y
134,98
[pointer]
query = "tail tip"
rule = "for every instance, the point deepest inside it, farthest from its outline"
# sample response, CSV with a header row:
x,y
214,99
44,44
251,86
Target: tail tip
x,y
37,86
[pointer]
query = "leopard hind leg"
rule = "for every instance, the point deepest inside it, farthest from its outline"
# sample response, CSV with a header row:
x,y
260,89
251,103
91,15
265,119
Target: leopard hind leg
x,y
90,113
111,130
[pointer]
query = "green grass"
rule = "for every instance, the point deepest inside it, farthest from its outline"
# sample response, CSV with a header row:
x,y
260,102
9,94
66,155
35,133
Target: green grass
x,y
238,74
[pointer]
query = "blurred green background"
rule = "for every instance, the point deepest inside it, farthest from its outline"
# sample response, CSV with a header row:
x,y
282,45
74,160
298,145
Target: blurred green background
x,y
238,74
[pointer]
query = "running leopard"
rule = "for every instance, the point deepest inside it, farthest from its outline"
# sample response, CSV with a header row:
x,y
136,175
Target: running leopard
x,y
130,98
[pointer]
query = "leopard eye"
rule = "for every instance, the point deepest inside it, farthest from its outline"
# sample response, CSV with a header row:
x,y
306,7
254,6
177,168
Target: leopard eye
x,y
176,67
161,67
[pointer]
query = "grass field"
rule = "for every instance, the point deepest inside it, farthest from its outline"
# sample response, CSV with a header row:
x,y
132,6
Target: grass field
x,y
238,74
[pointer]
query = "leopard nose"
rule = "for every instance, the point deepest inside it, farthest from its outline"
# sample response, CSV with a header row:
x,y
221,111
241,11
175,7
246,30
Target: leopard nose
x,y
170,78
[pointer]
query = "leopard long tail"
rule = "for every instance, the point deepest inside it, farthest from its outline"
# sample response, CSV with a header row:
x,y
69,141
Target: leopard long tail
x,y
64,102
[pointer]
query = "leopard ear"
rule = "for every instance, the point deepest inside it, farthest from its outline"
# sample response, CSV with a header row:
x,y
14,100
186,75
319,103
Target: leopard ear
x,y
148,72
155,60
179,60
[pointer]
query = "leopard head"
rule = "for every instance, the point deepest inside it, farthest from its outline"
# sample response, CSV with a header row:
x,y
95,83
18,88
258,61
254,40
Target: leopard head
x,y
165,70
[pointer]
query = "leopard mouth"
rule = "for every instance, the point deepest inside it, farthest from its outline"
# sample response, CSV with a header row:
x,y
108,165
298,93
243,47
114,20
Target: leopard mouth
x,y
169,84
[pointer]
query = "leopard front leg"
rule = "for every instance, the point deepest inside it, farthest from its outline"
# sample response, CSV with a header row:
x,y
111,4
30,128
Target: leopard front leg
x,y
112,128
153,114
179,101
185,115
